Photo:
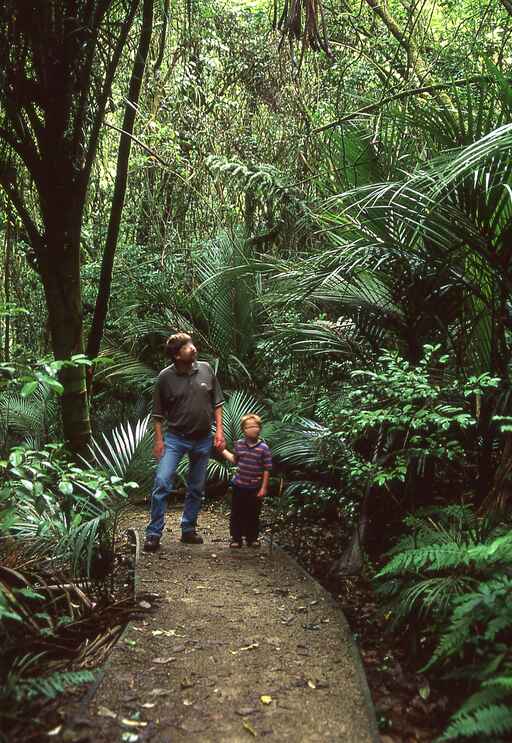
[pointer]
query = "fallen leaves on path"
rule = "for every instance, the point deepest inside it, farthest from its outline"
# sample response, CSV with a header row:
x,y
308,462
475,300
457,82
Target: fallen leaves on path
x,y
133,723
247,726
166,633
252,646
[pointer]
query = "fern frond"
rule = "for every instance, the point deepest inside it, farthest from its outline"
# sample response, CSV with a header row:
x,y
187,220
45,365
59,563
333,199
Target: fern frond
x,y
436,557
51,686
492,719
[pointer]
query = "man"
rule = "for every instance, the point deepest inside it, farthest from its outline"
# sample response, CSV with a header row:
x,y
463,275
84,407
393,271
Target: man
x,y
187,396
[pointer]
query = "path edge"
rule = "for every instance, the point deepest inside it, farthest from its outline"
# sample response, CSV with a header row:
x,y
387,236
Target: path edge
x,y
101,671
345,627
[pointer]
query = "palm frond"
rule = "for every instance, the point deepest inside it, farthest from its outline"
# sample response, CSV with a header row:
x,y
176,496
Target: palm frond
x,y
127,452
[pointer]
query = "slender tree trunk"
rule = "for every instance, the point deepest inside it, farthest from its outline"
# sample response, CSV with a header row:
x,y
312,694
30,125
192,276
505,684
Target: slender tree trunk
x,y
7,281
351,561
123,157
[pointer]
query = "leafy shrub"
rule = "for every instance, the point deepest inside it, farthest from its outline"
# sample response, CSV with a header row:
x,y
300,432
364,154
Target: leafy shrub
x,y
57,527
56,510
27,397
310,500
400,415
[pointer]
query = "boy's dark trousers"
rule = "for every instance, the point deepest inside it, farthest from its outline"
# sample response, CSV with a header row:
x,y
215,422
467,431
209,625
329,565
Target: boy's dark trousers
x,y
245,514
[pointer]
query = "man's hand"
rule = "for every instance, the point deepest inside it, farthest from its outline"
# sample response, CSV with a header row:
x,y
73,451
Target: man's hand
x,y
158,449
219,441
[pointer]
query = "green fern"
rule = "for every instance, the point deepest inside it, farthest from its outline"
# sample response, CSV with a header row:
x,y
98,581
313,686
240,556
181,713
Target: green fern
x,y
450,574
491,719
49,687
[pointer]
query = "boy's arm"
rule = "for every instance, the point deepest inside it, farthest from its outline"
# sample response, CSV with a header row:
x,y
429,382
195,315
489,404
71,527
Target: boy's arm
x,y
264,484
267,467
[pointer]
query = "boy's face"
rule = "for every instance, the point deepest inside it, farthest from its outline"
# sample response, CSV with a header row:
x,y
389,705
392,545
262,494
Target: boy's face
x,y
252,431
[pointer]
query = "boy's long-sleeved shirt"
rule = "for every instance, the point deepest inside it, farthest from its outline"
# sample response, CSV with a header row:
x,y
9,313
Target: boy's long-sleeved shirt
x,y
252,460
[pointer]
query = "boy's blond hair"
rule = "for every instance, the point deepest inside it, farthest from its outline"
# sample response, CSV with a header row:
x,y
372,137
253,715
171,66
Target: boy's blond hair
x,y
250,417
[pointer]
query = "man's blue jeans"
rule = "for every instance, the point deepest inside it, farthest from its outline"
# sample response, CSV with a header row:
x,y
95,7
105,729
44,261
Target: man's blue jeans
x,y
175,448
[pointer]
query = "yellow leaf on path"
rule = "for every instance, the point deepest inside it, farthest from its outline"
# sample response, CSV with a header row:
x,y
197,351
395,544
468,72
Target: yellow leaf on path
x,y
160,692
55,731
311,685
148,705
106,712
251,647
134,723
266,699
247,726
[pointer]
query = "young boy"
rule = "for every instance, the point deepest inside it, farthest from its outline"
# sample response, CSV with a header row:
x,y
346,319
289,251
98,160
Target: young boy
x,y
250,484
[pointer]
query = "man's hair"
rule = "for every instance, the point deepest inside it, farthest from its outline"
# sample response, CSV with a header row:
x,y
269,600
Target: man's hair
x,y
251,417
175,342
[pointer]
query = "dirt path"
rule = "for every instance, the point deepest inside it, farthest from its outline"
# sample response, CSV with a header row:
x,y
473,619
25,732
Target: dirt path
x,y
230,645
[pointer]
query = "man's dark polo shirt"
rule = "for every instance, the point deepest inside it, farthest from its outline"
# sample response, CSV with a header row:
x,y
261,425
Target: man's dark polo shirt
x,y
186,401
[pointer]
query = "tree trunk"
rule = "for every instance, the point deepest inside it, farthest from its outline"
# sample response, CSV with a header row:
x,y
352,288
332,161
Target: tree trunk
x,y
7,282
60,272
351,561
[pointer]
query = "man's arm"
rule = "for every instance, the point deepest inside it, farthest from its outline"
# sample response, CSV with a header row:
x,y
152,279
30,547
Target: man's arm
x,y
229,456
158,418
220,441
158,448
218,401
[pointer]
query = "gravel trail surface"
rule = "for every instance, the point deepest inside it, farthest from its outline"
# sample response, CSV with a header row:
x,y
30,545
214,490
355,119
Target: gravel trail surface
x,y
230,645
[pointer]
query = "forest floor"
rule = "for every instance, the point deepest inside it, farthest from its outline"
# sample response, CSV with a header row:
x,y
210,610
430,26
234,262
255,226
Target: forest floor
x,y
228,645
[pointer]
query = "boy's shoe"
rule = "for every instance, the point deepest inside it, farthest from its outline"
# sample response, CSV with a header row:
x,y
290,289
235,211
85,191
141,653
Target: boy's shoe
x,y
151,543
253,544
235,545
191,537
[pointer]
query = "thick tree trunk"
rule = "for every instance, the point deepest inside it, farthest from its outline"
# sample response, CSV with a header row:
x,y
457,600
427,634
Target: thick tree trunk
x,y
60,272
